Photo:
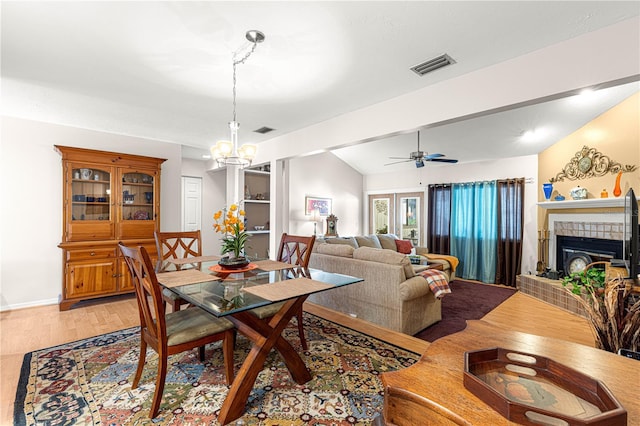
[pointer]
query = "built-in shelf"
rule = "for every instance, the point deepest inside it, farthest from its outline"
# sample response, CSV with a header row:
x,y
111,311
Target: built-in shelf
x,y
589,203
257,172
256,201
258,232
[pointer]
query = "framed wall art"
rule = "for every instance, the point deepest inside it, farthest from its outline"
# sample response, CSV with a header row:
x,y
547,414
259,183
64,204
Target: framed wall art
x,y
322,205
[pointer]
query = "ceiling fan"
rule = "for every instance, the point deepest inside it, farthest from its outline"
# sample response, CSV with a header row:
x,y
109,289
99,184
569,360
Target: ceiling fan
x,y
420,157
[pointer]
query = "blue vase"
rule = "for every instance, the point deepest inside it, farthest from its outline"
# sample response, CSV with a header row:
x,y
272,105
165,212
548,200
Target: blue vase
x,y
548,189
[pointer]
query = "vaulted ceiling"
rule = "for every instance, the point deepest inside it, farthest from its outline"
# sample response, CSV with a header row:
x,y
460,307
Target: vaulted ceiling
x,y
163,70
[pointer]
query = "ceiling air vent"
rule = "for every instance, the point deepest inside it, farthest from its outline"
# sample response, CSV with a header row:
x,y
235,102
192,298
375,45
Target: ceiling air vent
x,y
432,64
264,129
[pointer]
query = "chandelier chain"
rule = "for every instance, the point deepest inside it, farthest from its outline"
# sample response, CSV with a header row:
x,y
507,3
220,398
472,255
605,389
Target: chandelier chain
x,y
235,63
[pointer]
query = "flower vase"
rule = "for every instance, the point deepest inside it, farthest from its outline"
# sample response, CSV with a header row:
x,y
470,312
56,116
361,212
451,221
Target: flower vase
x,y
548,189
617,191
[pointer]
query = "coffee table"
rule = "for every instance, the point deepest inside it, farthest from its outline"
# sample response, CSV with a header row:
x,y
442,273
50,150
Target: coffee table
x,y
432,390
424,265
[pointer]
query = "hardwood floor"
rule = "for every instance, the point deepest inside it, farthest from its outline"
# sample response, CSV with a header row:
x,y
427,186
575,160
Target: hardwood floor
x,y
25,330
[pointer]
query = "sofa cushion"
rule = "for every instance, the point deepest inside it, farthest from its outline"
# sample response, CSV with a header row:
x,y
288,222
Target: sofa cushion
x,y
388,241
342,250
385,256
404,246
368,241
349,241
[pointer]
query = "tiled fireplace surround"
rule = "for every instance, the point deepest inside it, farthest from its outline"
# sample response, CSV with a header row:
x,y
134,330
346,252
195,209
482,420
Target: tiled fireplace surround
x,y
605,225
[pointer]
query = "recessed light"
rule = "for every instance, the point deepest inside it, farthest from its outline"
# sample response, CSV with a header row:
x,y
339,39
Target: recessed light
x,y
585,97
206,156
533,135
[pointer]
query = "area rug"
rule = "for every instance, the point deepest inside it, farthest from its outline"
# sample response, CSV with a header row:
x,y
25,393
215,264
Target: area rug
x,y
467,301
88,382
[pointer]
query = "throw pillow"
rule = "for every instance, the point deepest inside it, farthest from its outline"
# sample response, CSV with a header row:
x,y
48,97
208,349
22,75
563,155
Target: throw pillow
x,y
342,250
388,241
385,256
349,241
368,241
404,246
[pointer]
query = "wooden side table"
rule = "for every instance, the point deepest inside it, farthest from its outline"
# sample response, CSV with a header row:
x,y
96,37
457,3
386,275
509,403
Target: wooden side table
x,y
432,390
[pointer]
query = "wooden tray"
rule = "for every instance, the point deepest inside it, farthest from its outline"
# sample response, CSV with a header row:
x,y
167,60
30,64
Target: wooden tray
x,y
533,390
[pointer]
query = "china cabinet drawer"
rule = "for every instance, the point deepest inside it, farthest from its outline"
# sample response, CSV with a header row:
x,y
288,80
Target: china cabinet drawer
x,y
91,254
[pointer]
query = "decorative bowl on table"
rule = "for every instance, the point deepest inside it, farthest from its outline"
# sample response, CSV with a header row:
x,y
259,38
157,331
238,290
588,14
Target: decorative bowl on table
x,y
233,262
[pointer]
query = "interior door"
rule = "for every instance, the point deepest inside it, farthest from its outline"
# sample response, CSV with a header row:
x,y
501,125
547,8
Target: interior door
x,y
401,214
409,217
381,213
191,203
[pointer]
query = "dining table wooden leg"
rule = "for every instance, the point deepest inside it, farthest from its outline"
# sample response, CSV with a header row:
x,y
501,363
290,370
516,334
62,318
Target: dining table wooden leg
x,y
265,335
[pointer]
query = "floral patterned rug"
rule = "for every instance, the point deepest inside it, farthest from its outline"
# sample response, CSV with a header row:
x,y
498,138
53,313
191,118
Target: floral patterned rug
x,y
88,382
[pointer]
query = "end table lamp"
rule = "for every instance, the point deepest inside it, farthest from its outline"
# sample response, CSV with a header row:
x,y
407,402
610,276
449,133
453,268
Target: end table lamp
x,y
315,215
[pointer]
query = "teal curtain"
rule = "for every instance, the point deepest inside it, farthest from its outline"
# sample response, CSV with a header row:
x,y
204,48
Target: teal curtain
x,y
474,230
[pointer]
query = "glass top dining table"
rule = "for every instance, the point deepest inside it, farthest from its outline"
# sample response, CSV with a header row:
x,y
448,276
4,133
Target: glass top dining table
x,y
233,294
229,292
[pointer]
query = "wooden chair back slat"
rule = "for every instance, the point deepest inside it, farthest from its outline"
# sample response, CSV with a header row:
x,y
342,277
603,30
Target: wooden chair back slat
x,y
148,291
176,245
296,249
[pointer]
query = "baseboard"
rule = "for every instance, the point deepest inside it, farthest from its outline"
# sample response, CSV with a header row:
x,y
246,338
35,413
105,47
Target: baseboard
x,y
33,304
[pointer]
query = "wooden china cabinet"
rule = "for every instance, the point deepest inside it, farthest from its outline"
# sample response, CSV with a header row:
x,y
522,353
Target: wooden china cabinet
x,y
107,197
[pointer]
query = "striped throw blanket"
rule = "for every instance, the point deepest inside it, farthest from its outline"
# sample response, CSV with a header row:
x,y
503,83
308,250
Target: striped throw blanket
x,y
437,282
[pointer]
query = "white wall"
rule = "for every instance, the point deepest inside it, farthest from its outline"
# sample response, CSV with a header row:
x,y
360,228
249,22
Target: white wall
x,y
326,176
526,167
213,199
31,194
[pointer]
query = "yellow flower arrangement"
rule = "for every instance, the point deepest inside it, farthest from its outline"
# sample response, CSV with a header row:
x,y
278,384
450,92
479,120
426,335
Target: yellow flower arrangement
x,y
230,223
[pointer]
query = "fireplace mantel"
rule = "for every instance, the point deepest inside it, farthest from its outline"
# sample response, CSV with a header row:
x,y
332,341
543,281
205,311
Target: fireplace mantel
x,y
589,203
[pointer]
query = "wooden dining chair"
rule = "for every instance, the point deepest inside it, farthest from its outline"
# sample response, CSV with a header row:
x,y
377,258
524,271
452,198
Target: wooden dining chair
x,y
296,250
176,245
172,333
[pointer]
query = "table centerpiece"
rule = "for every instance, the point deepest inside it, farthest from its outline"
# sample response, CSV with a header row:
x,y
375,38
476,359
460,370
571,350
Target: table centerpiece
x,y
230,223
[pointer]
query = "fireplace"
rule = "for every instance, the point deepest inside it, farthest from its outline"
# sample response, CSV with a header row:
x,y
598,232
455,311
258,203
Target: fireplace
x,y
600,235
586,250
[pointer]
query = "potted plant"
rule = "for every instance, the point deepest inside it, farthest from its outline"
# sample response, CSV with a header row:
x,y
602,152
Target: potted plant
x,y
231,225
613,311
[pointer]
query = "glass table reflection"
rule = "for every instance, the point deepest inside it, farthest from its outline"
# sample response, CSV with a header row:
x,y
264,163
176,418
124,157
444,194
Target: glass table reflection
x,y
225,296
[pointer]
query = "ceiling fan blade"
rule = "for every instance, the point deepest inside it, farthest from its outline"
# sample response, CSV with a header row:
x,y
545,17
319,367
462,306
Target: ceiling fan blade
x,y
398,162
430,156
399,158
442,160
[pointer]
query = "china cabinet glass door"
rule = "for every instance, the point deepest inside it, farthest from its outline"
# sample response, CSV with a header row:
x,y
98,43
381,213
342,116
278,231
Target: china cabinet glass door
x,y
90,194
137,196
137,211
89,202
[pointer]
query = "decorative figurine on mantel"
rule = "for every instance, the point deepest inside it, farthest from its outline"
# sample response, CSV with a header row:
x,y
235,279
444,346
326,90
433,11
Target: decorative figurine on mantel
x,y
578,193
332,226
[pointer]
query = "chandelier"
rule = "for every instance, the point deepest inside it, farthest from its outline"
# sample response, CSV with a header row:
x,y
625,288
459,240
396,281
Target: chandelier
x,y
227,152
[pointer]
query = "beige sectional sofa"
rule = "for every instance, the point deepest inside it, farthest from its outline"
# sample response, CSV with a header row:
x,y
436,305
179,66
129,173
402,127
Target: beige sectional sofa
x,y
391,295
